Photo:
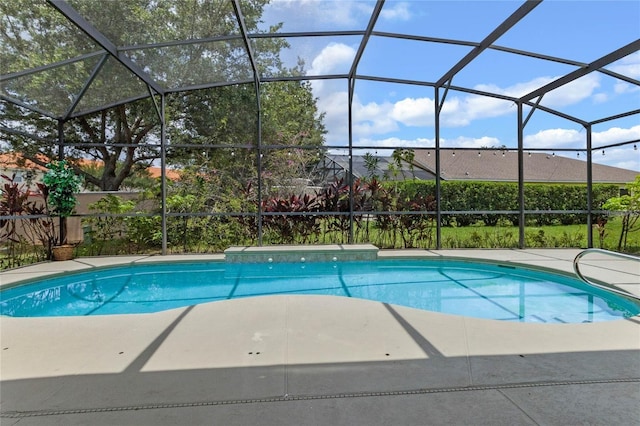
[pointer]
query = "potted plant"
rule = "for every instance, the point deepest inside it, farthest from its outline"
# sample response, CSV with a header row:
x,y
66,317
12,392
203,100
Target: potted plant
x,y
62,184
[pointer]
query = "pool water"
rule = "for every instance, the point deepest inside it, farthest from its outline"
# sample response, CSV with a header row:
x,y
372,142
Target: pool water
x,y
455,287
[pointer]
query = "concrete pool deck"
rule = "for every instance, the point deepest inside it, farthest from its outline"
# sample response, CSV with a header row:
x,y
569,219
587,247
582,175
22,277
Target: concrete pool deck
x,y
321,360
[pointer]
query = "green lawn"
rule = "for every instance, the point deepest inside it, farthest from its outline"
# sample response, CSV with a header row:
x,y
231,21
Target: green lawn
x,y
476,236
537,236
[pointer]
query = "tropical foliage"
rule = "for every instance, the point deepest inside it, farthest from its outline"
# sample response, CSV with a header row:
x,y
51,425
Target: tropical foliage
x,y
628,206
27,232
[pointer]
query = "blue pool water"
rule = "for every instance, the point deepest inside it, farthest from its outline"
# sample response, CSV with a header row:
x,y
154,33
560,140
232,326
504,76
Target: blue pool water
x,y
455,287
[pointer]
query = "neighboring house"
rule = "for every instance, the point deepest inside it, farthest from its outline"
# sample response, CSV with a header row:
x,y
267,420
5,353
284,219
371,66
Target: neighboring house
x,y
479,165
156,172
502,166
31,173
334,167
23,171
28,172
476,165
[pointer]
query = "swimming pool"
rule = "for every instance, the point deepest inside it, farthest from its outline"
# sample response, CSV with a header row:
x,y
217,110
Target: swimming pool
x,y
493,291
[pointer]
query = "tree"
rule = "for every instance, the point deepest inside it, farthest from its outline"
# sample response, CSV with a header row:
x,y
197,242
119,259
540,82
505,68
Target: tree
x,y
629,205
35,35
290,118
222,133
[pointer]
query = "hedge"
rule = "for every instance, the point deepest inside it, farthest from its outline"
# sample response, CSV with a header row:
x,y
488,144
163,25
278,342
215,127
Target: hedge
x,y
492,196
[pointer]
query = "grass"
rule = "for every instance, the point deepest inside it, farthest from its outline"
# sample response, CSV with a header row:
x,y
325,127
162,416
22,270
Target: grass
x,y
476,236
507,236
538,236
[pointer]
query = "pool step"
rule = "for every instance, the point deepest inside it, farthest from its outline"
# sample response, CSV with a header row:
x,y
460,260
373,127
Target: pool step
x,y
322,253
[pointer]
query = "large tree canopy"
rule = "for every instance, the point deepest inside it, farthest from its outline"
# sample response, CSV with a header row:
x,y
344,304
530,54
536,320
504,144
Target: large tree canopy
x,y
125,137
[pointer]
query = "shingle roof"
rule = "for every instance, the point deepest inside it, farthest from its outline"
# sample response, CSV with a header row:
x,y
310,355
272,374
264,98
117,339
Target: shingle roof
x,y
406,171
496,165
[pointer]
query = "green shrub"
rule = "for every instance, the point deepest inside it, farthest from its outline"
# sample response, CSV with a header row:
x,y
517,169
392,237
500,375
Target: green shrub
x,y
492,196
104,229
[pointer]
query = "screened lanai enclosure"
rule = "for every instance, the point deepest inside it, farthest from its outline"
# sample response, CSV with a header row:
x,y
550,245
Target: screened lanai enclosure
x,y
196,125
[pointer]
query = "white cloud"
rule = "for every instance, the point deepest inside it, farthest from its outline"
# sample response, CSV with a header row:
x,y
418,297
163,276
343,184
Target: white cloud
x,y
395,142
571,138
629,165
372,118
335,107
628,66
615,135
452,114
303,15
462,111
621,87
378,117
459,111
568,94
600,98
556,138
371,111
456,111
399,11
516,90
414,112
467,142
623,157
573,92
331,58
315,13
340,13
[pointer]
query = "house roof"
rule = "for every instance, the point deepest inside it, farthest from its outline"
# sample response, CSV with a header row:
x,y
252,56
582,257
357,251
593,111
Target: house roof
x,y
360,170
156,172
497,165
15,161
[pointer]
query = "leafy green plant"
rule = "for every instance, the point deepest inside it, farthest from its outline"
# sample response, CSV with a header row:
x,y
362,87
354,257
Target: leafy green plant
x,y
62,185
287,228
491,196
335,198
105,228
628,205
28,239
568,239
600,226
417,229
144,232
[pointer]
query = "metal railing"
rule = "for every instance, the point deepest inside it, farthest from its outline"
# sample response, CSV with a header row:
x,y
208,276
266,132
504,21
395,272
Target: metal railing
x,y
576,268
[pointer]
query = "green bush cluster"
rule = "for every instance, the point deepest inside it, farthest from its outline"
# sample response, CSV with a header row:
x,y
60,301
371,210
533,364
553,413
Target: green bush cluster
x,y
118,227
496,196
211,233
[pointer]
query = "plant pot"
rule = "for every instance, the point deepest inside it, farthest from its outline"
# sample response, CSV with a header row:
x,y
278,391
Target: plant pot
x,y
63,252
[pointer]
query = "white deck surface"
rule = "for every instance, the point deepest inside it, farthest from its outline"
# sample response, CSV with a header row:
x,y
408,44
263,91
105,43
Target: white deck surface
x,y
321,360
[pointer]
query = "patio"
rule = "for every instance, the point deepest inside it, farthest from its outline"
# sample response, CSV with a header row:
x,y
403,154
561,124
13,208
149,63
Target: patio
x,y
321,360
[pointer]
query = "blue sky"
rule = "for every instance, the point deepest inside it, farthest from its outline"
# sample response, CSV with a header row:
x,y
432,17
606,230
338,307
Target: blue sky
x,y
388,114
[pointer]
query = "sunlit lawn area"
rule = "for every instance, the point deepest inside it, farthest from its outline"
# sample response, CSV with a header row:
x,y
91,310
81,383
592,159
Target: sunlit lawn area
x,y
475,236
537,236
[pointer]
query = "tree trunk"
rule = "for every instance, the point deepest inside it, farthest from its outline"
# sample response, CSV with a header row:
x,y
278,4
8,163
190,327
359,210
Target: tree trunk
x,y
623,231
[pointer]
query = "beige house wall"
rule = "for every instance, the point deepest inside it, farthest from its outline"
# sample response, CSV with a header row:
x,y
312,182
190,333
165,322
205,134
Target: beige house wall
x,y
75,232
